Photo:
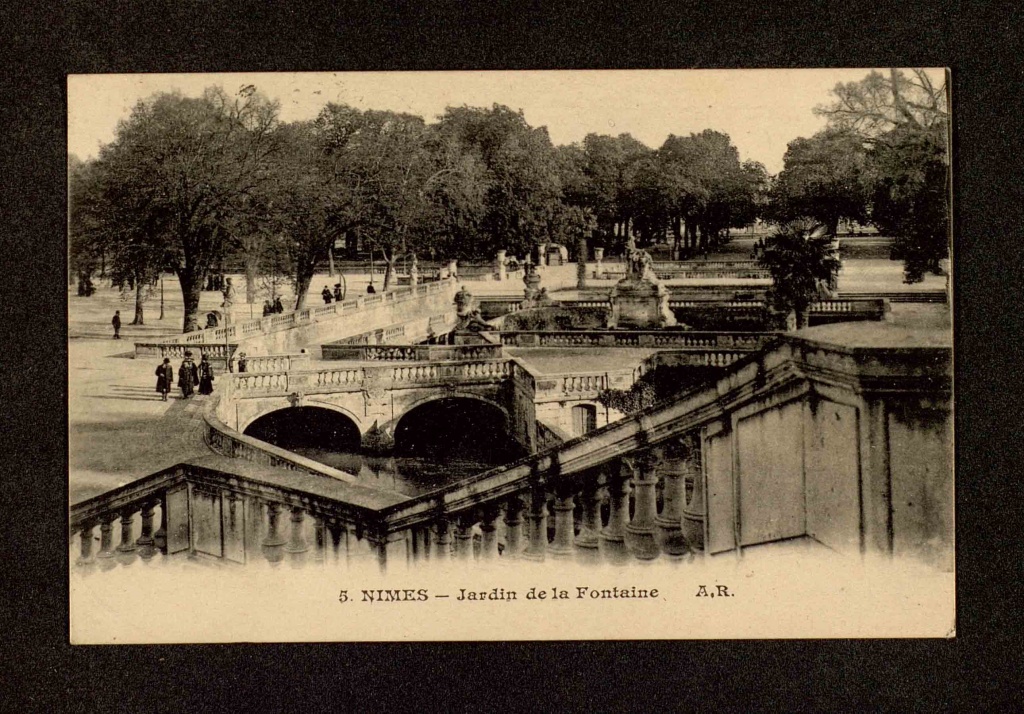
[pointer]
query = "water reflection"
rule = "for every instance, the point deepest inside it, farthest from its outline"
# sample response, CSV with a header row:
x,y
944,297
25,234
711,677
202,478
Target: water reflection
x,y
407,475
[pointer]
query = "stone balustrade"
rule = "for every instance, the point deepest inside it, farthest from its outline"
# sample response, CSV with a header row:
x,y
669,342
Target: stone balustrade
x,y
736,341
824,473
289,320
219,353
274,363
409,353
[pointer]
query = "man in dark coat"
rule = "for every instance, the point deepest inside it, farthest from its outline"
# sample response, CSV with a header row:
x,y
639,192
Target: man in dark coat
x,y
205,376
116,322
326,293
337,292
268,309
164,378
188,375
278,307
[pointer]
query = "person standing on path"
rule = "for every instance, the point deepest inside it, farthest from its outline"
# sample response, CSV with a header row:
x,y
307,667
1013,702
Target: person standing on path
x,y
326,293
188,375
205,376
116,322
278,307
337,292
164,378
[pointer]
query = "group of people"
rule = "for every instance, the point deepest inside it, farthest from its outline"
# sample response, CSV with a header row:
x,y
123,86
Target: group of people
x,y
190,375
329,296
272,308
215,281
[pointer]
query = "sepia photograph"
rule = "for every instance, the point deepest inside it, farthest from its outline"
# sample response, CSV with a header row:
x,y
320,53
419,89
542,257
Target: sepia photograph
x,y
510,355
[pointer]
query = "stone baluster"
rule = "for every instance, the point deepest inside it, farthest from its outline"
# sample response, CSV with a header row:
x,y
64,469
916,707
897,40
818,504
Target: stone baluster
x,y
420,544
126,548
273,542
612,539
335,530
589,537
693,512
146,540
538,518
464,536
489,532
442,539
670,534
562,545
106,554
297,546
320,541
640,533
513,527
85,557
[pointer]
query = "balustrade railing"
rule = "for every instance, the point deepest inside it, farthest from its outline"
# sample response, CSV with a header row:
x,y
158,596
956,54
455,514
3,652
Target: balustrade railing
x,y
676,339
410,353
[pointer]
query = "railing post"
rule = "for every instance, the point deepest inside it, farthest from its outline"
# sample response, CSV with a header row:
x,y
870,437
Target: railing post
x,y
464,536
160,537
562,545
273,543
612,537
320,541
692,522
146,540
126,548
443,542
297,546
640,538
106,553
489,532
588,539
538,517
85,557
513,527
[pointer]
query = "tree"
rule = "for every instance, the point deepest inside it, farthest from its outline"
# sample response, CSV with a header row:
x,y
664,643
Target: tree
x,y
824,179
801,262
85,242
187,160
903,118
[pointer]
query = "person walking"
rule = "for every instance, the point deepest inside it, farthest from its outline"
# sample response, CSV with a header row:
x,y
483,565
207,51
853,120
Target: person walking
x,y
164,378
278,307
326,293
116,322
205,376
337,292
188,375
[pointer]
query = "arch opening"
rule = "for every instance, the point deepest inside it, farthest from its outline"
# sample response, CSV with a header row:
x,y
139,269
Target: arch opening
x,y
306,428
457,429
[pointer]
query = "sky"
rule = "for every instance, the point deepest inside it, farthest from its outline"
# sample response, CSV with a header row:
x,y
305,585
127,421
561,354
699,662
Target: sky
x,y
761,110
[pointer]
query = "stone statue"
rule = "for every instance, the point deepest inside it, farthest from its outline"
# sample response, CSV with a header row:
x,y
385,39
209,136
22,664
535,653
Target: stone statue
x,y
640,266
531,279
639,300
229,295
467,315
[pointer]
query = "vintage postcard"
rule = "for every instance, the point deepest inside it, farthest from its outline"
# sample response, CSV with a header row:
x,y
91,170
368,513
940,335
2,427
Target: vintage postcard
x,y
523,355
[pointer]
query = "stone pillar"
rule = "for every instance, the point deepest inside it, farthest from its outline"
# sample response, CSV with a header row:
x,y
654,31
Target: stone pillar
x,y
297,546
670,534
588,539
464,536
126,548
392,550
320,541
106,554
513,527
499,266
146,540
414,271
693,512
612,541
443,540
562,545
598,266
581,264
85,557
160,537
538,517
489,533
640,533
335,530
420,544
273,542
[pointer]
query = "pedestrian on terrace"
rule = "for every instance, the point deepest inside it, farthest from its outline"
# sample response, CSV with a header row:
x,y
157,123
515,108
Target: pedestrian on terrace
x,y
188,376
164,378
205,376
116,322
326,293
278,307
268,309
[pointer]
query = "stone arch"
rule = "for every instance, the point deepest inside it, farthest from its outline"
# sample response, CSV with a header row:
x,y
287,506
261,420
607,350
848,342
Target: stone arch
x,y
356,419
310,425
438,426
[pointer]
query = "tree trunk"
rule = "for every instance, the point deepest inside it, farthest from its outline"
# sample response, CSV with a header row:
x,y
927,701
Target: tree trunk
x,y
387,273
191,289
139,300
251,265
303,278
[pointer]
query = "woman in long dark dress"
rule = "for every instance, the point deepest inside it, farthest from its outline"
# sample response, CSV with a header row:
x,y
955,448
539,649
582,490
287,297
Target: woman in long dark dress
x,y
187,376
205,376
164,378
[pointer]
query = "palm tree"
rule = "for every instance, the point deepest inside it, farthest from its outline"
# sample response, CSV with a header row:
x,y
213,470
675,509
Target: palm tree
x,y
802,263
